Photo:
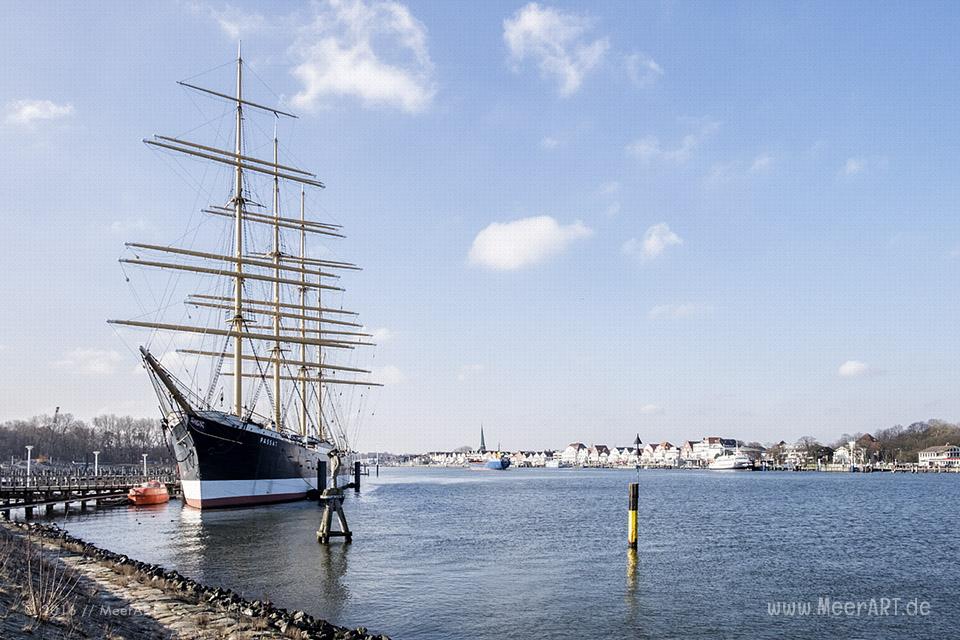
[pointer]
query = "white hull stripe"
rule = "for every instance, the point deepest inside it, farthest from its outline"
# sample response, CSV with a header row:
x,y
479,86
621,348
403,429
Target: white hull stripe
x,y
204,490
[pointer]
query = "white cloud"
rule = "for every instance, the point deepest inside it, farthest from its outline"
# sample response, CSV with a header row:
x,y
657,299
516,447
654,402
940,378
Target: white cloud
x,y
374,51
178,363
555,40
468,371
132,225
382,335
648,149
387,375
651,409
761,163
854,166
721,173
655,241
642,70
679,311
26,112
233,21
856,369
524,242
610,188
94,362
549,142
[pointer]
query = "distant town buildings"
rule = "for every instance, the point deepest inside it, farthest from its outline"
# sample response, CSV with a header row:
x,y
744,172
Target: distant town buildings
x,y
575,454
859,451
862,452
578,454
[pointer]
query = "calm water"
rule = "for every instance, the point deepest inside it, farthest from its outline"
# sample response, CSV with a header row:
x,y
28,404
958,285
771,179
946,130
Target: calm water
x,y
542,553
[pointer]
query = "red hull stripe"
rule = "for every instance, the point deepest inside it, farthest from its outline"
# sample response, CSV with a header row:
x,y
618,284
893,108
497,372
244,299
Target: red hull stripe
x,y
235,501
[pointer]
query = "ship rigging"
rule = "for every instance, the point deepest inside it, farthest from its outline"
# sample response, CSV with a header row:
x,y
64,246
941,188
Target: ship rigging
x,y
281,339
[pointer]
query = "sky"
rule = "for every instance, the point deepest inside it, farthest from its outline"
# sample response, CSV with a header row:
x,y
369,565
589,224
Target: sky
x,y
577,221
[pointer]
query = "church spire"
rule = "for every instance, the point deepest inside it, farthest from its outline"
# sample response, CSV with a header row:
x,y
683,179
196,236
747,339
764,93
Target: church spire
x,y
483,444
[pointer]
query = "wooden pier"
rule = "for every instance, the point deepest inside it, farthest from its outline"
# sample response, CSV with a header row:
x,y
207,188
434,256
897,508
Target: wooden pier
x,y
20,492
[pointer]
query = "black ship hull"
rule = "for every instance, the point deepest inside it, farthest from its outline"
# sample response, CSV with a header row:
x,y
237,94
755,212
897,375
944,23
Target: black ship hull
x,y
224,462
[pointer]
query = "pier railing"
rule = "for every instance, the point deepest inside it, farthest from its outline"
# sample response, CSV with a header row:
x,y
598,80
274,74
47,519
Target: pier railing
x,y
48,482
47,490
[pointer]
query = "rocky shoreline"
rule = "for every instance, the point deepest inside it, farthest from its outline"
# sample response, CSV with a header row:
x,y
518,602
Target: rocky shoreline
x,y
133,599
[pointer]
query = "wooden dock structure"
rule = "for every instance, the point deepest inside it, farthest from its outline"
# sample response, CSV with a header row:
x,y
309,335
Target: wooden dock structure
x,y
46,491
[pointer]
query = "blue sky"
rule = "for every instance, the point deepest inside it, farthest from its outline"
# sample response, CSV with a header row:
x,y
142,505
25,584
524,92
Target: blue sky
x,y
577,221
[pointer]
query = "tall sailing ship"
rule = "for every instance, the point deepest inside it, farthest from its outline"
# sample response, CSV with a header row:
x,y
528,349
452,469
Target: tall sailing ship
x,y
268,313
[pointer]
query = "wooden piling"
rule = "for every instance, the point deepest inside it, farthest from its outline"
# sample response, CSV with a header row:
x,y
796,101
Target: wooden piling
x,y
632,515
321,478
356,476
332,500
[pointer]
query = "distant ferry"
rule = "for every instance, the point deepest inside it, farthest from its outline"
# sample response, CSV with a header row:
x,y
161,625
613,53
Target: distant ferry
x,y
498,464
731,462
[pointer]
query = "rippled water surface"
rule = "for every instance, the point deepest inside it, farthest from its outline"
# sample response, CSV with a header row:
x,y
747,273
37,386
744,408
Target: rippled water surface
x,y
455,553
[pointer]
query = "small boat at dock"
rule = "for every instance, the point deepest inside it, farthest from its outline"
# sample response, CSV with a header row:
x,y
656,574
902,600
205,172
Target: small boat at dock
x,y
152,492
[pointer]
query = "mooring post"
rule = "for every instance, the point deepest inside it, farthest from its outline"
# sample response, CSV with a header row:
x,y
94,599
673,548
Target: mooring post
x,y
632,515
321,477
356,476
332,500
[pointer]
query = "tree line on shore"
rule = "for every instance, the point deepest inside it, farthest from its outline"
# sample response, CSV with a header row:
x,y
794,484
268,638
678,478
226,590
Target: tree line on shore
x,y
901,443
64,439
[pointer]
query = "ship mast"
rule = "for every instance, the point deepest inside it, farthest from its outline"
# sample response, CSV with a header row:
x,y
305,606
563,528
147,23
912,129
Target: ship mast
x,y
320,430
334,328
303,318
277,356
238,245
